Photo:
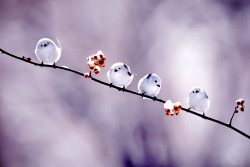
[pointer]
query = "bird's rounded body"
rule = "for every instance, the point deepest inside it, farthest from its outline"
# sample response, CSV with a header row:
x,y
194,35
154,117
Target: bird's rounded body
x,y
150,85
120,75
47,51
198,100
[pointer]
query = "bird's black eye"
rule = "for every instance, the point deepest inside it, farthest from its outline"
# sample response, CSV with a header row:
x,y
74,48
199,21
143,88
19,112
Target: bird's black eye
x,y
47,42
193,91
119,68
155,81
41,45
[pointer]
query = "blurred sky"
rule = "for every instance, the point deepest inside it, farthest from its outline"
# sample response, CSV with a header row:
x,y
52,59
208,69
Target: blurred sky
x,y
55,118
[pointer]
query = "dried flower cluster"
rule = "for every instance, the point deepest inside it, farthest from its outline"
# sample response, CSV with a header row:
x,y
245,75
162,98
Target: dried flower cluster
x,y
172,108
96,62
240,105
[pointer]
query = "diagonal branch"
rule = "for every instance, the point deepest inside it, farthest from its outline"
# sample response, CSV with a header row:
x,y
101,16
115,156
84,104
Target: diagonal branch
x,y
228,125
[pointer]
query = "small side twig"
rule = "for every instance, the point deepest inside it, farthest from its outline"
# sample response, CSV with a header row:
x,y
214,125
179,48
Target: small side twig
x,y
230,123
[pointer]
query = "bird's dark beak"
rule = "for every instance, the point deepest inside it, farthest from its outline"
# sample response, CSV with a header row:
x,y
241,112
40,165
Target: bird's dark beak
x,y
116,70
196,91
159,85
45,45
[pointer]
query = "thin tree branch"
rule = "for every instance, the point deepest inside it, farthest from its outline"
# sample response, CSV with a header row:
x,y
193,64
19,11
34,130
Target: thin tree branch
x,y
231,119
125,90
233,115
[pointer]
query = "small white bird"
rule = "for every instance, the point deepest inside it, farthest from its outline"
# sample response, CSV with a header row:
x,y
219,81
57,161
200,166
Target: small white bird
x,y
149,85
198,100
120,75
47,52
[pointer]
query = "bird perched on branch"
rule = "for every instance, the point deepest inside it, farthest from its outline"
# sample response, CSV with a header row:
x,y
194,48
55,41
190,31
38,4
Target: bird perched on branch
x,y
47,51
149,85
198,100
120,75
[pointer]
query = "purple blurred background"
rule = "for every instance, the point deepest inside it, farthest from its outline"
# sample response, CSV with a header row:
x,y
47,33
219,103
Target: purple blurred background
x,y
55,118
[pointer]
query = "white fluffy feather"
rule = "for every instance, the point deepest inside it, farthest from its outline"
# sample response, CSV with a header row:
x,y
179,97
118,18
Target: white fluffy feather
x,y
150,85
120,75
198,100
47,52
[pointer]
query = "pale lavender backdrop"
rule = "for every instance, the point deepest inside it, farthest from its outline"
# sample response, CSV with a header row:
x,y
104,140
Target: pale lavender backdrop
x,y
55,118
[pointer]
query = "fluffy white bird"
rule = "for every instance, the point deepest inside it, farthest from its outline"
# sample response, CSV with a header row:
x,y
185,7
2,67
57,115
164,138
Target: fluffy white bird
x,y
120,75
198,100
47,52
150,85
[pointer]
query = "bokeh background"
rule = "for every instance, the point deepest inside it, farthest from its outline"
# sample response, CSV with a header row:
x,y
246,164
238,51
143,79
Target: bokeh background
x,y
54,118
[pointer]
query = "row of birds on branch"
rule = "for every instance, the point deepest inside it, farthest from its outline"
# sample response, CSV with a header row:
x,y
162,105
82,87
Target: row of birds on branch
x,y
120,75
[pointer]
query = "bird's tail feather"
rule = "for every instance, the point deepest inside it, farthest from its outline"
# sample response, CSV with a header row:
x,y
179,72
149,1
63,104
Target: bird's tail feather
x,y
59,43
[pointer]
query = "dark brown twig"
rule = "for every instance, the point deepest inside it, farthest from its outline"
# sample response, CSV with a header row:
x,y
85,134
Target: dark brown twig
x,y
126,90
